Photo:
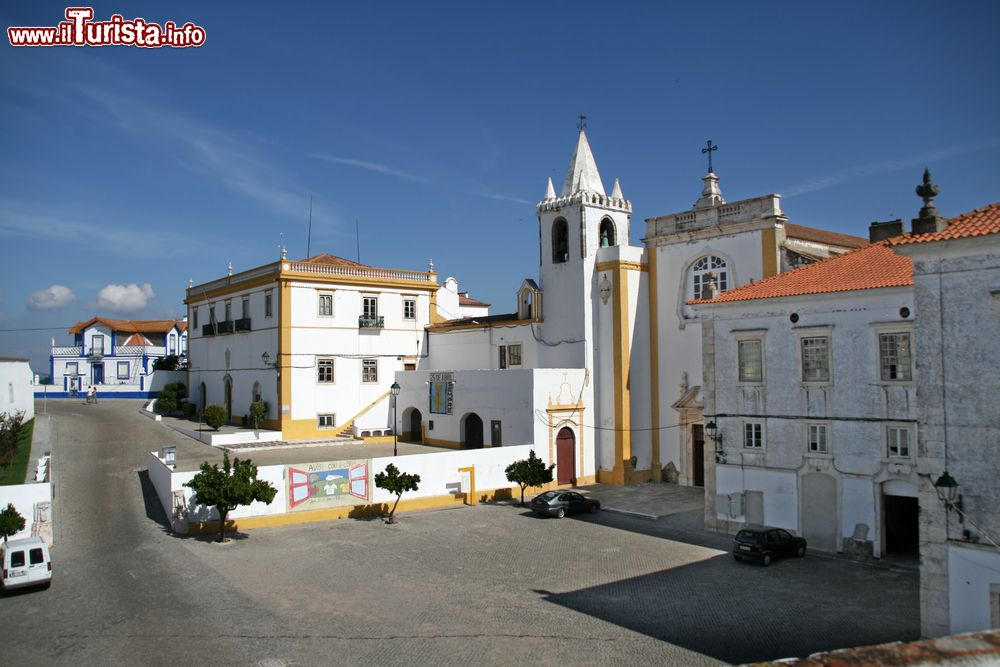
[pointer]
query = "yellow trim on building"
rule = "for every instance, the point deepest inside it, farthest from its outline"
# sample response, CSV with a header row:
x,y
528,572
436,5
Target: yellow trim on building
x,y
625,264
562,414
479,325
435,315
470,497
622,362
769,252
436,442
284,360
231,289
654,367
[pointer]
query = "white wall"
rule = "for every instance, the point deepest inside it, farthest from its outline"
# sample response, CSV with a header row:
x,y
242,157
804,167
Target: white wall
x,y
16,391
971,571
24,497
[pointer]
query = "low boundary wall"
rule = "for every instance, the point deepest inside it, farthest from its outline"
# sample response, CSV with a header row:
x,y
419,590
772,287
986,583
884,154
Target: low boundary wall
x,y
34,503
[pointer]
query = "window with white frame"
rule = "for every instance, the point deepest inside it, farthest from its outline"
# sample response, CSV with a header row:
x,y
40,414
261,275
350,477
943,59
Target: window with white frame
x,y
171,344
409,309
72,369
324,371
819,435
815,359
895,358
325,305
326,421
898,442
751,360
753,435
369,370
369,307
268,304
246,307
122,370
706,271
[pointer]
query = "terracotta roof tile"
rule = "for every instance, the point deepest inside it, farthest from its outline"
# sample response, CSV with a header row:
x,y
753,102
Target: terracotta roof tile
x,y
870,267
823,236
131,326
980,222
464,300
137,340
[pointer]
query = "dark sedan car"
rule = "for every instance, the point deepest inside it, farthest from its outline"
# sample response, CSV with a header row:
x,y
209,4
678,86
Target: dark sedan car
x,y
766,544
561,503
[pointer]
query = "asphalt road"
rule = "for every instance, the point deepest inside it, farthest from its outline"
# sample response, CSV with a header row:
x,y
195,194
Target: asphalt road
x,y
490,585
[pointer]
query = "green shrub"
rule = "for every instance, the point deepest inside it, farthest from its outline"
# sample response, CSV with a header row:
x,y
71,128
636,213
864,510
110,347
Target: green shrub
x,y
177,388
187,409
215,416
165,405
258,413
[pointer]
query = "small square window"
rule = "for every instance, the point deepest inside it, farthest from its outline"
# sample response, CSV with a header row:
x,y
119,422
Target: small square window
x,y
369,370
122,370
72,368
326,421
409,309
324,370
325,305
898,442
268,304
753,435
818,439
816,359
514,354
895,360
751,361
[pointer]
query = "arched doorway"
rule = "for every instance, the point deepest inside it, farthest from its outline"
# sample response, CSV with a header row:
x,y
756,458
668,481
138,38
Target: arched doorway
x,y
228,393
416,426
565,448
473,432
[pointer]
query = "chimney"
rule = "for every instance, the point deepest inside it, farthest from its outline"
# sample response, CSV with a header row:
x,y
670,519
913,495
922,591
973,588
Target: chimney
x,y
880,231
929,220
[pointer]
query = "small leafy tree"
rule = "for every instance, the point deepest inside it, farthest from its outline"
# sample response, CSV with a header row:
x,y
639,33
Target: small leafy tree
x,y
11,428
165,404
394,481
215,416
258,412
529,472
171,362
229,487
11,522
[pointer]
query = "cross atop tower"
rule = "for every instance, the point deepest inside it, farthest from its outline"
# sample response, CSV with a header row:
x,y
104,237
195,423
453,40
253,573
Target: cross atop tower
x,y
710,148
581,121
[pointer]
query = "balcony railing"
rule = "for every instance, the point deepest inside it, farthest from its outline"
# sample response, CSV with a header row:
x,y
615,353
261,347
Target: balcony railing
x,y
119,351
225,327
243,324
219,328
371,322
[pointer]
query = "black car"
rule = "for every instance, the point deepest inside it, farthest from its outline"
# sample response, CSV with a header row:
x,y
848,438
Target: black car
x,y
766,544
561,503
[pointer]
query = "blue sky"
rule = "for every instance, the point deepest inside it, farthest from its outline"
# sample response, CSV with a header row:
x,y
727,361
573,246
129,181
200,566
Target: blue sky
x,y
124,172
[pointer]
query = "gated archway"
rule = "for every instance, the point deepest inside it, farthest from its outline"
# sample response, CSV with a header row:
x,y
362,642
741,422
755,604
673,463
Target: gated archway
x,y
228,393
473,432
565,447
416,426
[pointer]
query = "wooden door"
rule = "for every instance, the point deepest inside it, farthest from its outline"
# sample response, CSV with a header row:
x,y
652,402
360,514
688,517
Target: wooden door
x,y
565,459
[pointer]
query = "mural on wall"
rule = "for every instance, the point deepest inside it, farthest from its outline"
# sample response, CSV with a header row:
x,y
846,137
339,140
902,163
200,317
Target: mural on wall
x,y
314,486
441,393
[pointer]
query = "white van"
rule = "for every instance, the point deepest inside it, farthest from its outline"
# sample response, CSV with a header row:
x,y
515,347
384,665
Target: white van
x,y
25,563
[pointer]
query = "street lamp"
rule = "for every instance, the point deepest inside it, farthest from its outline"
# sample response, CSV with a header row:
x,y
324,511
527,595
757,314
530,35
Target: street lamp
x,y
712,431
947,490
394,390
266,358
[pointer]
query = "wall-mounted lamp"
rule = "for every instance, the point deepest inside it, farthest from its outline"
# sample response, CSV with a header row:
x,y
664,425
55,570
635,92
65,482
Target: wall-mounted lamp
x,y
394,390
712,431
947,491
266,358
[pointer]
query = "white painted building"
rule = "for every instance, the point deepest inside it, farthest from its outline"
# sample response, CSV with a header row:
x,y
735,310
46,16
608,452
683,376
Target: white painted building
x,y
16,394
809,379
114,352
957,297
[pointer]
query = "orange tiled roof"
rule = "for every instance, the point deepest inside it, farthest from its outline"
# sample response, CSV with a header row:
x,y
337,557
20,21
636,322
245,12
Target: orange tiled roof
x,y
137,340
823,236
980,222
870,267
464,300
131,326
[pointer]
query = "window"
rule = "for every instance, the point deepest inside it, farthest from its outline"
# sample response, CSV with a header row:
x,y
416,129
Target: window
x,y
229,310
751,361
97,345
72,368
369,370
325,305
753,435
816,359
370,307
211,314
17,559
257,396
35,556
326,421
171,344
194,317
324,370
818,442
409,309
246,308
122,370
607,233
705,272
268,304
894,357
503,356
898,440
409,366
514,354
560,242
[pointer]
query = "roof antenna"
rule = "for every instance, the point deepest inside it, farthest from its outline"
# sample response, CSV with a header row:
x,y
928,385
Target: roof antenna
x,y
310,237
357,238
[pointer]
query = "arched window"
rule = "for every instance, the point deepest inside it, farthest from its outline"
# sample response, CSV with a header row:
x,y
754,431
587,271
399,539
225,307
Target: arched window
x,y
256,392
560,241
706,271
607,233
524,308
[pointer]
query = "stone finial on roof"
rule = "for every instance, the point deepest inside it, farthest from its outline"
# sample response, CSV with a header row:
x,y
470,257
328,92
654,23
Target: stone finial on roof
x,y
711,195
930,220
229,269
550,192
190,283
582,173
616,192
430,266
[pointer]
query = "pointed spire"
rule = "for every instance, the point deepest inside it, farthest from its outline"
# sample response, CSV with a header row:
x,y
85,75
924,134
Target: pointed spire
x,y
582,173
711,195
616,193
229,269
550,192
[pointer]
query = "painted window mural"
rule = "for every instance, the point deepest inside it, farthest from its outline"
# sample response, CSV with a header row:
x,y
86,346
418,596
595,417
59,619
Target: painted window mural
x,y
322,485
441,393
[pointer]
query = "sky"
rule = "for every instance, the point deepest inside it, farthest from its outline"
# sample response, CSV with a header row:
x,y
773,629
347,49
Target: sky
x,y
431,127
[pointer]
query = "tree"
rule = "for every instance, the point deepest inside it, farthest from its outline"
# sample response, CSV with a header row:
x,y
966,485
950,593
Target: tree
x,y
11,428
11,522
258,412
171,362
215,416
230,487
394,481
529,472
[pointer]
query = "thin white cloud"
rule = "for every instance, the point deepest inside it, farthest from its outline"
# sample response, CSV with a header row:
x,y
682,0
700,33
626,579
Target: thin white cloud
x,y
51,298
516,200
124,298
881,167
370,166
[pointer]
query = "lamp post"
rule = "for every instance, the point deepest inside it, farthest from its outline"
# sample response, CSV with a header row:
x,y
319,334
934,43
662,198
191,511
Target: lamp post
x,y
394,390
712,431
947,491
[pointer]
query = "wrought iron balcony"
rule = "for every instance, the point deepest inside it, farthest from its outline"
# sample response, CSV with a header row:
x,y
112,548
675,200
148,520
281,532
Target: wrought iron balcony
x,y
208,329
225,327
371,322
243,324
